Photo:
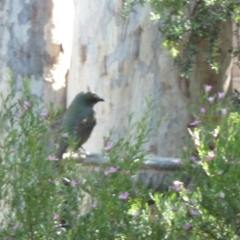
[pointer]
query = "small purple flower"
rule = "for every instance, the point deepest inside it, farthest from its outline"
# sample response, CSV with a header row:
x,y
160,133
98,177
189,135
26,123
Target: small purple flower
x,y
194,213
208,88
56,216
109,146
26,105
221,95
224,111
110,170
94,204
194,123
73,213
210,157
65,135
123,196
210,99
52,158
188,226
43,114
203,110
18,115
74,183
193,158
177,186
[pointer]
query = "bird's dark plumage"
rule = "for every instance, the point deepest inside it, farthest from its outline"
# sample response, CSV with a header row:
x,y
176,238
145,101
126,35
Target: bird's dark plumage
x,y
78,121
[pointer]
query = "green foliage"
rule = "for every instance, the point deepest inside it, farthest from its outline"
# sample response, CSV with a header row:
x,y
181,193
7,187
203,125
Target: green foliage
x,y
216,170
28,194
104,203
34,200
185,24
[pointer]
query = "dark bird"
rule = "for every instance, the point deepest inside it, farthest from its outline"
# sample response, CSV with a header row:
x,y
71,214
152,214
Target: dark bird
x,y
78,121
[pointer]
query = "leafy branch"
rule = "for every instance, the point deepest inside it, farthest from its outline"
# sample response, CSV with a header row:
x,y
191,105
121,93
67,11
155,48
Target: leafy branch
x,y
187,23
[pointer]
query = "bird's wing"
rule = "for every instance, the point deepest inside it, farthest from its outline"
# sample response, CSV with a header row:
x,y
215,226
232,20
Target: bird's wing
x,y
84,129
68,124
78,123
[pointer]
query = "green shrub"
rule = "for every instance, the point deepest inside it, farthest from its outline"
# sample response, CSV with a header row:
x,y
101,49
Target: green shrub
x,y
104,203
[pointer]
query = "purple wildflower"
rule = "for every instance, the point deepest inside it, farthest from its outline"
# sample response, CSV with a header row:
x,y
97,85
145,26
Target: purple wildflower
x,y
26,105
210,99
194,123
52,158
194,213
65,135
193,158
224,111
188,226
73,213
56,216
208,88
18,115
74,183
94,204
221,95
123,196
43,114
210,157
203,110
110,170
177,186
109,146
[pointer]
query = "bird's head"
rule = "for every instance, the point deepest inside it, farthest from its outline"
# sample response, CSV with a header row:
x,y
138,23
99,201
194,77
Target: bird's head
x,y
89,98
